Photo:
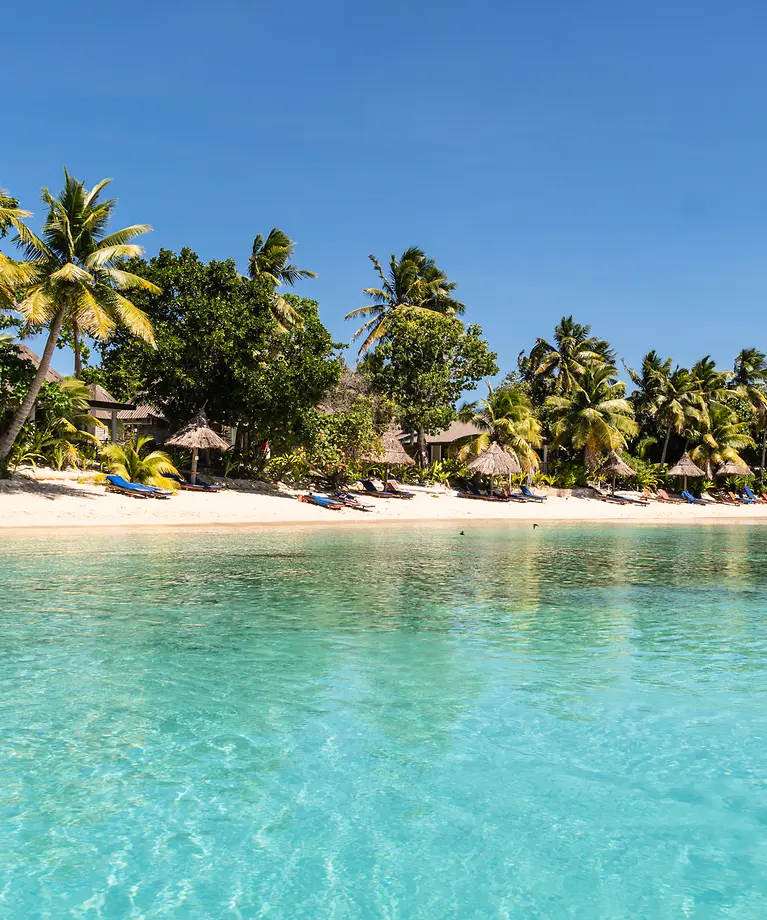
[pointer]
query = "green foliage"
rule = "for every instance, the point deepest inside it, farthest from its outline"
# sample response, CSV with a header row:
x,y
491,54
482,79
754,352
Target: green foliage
x,y
135,462
568,473
439,472
424,365
505,417
270,262
413,282
15,377
218,346
292,467
73,276
594,415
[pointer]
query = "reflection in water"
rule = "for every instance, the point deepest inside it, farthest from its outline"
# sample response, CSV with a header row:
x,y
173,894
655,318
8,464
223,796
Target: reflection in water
x,y
399,722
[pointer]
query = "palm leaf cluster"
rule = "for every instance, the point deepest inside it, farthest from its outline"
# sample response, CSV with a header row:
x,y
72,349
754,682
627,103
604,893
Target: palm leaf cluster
x,y
413,281
270,262
136,463
71,276
505,417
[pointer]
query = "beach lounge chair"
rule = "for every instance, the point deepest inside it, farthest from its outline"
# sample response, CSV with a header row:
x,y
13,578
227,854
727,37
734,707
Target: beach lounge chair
x,y
663,496
392,486
118,484
615,499
751,495
473,492
692,500
370,489
185,485
351,501
320,500
528,493
740,497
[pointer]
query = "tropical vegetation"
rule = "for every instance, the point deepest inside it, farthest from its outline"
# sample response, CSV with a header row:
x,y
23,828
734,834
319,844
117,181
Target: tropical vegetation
x,y
183,335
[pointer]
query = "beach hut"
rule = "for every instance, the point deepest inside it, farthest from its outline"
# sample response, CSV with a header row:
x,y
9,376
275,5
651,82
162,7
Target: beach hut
x,y
615,467
495,461
734,468
196,436
391,453
685,467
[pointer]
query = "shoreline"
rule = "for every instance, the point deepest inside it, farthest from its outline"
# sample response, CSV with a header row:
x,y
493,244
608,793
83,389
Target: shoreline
x,y
35,504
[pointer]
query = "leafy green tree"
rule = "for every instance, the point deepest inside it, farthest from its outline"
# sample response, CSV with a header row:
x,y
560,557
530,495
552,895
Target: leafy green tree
x,y
594,416
567,358
135,462
218,347
412,281
424,364
72,276
721,437
270,262
342,440
506,416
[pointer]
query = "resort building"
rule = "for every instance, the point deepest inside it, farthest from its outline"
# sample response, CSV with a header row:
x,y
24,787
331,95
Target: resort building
x,y
439,445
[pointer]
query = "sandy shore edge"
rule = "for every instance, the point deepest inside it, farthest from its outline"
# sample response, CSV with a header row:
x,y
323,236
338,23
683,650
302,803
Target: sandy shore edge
x,y
38,503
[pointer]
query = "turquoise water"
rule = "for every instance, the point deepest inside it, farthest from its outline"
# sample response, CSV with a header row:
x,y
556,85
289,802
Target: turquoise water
x,y
398,723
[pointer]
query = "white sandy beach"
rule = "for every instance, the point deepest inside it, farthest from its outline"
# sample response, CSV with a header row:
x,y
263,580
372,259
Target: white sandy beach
x,y
59,501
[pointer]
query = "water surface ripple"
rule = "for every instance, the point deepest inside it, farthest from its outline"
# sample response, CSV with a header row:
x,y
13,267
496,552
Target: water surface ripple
x,y
395,723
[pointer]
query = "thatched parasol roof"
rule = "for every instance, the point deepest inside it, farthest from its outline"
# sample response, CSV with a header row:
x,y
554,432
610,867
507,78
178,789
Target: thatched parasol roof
x,y
392,453
196,434
734,468
614,466
685,467
495,461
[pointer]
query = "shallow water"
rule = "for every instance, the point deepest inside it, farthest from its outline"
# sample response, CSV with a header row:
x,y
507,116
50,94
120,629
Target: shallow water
x,y
398,723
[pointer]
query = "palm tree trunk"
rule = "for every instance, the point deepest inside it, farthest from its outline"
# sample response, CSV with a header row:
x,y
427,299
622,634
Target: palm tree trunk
x,y
8,438
76,349
665,445
764,449
423,460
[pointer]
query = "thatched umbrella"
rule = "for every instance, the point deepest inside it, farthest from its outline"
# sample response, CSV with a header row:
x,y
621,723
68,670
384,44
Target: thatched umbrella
x,y
495,461
685,467
734,468
391,452
196,435
615,467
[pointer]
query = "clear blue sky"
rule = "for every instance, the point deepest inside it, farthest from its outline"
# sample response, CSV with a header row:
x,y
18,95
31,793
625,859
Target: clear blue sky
x,y
597,158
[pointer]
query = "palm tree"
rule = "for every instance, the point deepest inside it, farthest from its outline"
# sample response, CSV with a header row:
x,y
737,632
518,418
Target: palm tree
x,y
133,462
594,416
270,261
505,417
722,436
413,281
711,382
574,349
675,402
9,210
750,381
71,276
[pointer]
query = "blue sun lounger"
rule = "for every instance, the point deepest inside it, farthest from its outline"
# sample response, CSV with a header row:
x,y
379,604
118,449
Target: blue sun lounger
x,y
751,495
199,486
330,503
692,500
118,484
528,493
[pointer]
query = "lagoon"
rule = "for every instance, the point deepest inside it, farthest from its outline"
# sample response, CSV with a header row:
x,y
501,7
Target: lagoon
x,y
395,722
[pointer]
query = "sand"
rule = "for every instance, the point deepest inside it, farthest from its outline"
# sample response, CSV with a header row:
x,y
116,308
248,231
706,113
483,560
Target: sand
x,y
57,500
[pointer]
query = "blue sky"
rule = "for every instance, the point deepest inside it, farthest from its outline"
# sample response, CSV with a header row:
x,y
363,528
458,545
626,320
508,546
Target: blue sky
x,y
596,158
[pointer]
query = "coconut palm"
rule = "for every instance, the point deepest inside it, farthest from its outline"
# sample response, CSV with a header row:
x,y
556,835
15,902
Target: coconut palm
x,y
9,210
505,417
594,416
72,277
721,437
270,261
712,383
135,463
573,350
750,381
413,281
674,402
